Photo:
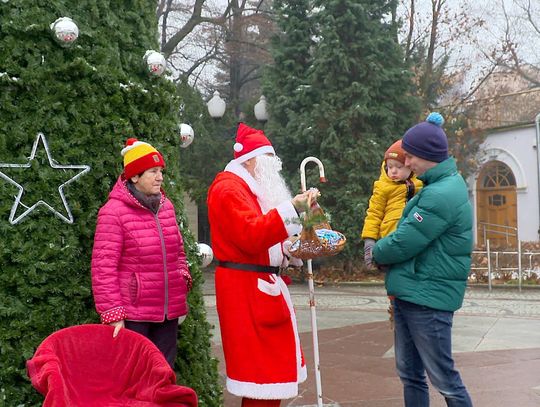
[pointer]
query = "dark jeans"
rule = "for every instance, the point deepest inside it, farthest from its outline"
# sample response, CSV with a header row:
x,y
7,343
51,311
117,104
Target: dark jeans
x,y
423,344
162,334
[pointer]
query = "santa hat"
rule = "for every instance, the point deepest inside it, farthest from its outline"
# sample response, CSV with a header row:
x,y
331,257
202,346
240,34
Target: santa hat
x,y
139,157
395,152
250,143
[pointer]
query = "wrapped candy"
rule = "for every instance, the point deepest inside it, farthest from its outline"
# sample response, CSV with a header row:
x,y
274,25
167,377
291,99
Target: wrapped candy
x,y
314,243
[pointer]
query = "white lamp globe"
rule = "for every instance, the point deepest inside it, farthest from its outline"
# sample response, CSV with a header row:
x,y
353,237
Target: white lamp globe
x,y
260,110
216,106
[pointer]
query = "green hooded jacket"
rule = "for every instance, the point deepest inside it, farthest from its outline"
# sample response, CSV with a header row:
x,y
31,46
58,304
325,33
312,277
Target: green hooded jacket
x,y
429,254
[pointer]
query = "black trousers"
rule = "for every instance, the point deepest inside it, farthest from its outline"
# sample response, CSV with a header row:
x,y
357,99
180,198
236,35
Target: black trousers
x,y
162,334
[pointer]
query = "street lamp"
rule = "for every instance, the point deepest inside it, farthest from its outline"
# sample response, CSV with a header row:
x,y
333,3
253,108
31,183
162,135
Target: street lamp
x,y
260,110
216,106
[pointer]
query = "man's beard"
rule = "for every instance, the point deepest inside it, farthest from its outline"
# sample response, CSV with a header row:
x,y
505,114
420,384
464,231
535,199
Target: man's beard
x,y
273,186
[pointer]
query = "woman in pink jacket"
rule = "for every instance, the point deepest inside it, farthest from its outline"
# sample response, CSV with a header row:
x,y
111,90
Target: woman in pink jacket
x,y
140,277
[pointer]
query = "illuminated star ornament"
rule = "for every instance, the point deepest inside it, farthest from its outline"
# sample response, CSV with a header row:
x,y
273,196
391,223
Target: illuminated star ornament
x,y
83,170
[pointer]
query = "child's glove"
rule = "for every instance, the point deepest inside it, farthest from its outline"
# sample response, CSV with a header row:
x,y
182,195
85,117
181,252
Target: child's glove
x,y
368,252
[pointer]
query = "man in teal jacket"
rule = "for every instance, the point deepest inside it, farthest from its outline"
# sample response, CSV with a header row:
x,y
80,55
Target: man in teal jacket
x,y
428,259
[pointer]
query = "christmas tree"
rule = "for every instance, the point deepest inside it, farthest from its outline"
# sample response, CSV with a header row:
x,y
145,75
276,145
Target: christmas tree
x,y
340,92
86,96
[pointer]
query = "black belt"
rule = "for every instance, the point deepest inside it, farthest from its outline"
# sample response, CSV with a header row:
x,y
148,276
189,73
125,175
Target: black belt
x,y
249,267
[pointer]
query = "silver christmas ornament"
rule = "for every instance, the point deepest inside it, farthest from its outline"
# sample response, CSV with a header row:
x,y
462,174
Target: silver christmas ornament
x,y
156,63
186,135
65,30
206,253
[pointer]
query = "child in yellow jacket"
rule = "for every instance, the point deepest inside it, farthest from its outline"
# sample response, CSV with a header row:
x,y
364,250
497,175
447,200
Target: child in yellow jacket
x,y
395,186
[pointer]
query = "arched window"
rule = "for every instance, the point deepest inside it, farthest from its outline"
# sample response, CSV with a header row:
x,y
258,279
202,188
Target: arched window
x,y
497,175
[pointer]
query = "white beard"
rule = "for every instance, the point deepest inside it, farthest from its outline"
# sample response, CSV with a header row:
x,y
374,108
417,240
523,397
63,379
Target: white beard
x,y
268,177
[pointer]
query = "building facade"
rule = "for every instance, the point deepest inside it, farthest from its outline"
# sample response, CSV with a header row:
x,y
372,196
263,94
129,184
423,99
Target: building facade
x,y
505,189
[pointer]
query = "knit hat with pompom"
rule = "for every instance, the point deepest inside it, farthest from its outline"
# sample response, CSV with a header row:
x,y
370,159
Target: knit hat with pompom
x,y
139,157
427,139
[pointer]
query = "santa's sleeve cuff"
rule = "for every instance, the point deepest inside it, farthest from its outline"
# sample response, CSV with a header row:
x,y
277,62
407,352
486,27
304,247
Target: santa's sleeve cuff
x,y
290,217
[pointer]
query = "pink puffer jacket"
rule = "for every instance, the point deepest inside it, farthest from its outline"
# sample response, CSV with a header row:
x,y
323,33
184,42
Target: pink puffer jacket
x,y
138,261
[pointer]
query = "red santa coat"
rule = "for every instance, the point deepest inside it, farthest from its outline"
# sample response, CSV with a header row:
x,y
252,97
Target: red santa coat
x,y
256,316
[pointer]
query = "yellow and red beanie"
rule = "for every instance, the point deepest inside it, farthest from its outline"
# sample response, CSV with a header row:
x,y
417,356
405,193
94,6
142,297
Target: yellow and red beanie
x,y
395,152
139,157
250,143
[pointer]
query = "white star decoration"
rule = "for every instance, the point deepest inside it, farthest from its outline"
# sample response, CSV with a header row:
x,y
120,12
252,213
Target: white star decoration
x,y
69,219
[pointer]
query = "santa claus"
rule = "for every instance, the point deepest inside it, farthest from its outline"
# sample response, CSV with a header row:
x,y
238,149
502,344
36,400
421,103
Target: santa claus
x,y
251,213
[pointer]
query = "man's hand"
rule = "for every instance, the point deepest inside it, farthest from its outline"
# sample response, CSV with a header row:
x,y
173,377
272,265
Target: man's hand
x,y
117,326
368,252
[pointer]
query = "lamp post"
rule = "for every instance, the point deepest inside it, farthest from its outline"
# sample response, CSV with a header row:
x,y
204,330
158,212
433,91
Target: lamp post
x,y
260,110
216,106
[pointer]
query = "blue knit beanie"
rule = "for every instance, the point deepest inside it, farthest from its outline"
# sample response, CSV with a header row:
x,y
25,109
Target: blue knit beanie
x,y
427,140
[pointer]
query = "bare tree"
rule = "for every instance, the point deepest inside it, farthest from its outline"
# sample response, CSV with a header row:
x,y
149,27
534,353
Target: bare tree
x,y
521,30
245,51
217,46
433,35
191,34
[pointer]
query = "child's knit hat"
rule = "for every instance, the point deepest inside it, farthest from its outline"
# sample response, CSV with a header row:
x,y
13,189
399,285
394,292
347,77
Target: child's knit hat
x,y
427,140
139,157
395,152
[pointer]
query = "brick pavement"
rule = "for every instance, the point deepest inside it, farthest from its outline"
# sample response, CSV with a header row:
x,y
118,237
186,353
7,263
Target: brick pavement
x,y
496,344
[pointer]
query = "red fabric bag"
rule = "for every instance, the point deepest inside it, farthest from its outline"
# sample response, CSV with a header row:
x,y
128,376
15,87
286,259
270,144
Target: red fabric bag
x,y
85,366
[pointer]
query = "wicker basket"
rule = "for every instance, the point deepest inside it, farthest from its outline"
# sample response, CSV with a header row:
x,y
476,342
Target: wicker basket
x,y
309,246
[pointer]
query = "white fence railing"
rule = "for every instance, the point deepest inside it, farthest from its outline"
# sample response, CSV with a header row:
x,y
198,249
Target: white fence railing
x,y
512,269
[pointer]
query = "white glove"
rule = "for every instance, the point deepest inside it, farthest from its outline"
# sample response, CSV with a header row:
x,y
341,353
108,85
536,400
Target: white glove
x,y
292,261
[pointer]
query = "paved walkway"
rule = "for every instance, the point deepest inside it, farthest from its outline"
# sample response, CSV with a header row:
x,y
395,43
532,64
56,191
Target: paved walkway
x,y
496,340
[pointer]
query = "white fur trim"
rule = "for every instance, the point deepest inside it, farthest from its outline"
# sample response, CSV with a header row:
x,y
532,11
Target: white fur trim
x,y
301,370
290,217
275,253
270,391
254,153
238,147
269,288
238,169
302,377
131,147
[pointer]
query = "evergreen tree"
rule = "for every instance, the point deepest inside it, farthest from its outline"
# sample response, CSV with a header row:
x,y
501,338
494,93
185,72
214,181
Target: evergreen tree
x,y
209,153
355,102
87,99
286,83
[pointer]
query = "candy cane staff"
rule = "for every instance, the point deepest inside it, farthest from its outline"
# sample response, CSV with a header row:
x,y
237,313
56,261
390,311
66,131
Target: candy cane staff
x,y
315,338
